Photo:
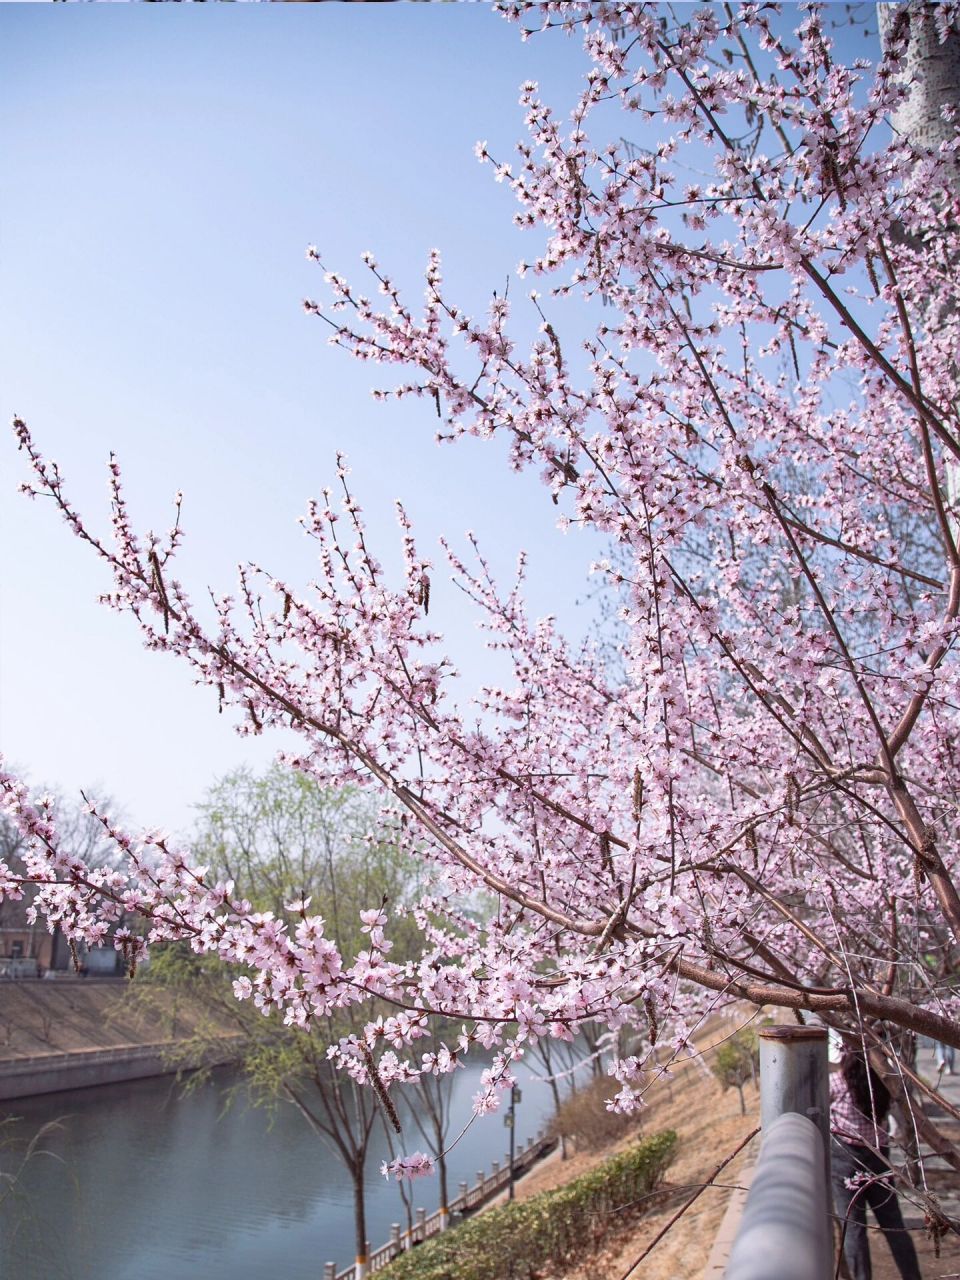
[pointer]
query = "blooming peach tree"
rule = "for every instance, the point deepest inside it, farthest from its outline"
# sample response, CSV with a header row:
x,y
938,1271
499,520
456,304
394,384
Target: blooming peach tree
x,y
757,804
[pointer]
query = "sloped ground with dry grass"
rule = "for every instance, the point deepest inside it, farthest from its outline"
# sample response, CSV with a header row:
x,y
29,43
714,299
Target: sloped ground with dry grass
x,y
40,1018
709,1126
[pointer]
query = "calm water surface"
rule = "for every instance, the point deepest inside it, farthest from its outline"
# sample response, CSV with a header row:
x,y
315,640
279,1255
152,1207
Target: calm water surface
x,y
144,1184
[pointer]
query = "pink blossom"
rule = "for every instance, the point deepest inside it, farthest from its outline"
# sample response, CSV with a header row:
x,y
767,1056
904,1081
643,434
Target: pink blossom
x,y
418,1165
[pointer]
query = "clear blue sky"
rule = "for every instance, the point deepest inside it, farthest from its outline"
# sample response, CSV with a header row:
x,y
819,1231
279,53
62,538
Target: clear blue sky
x,y
165,167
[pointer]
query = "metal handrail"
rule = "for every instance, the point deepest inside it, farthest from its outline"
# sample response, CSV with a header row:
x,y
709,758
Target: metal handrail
x,y
785,1230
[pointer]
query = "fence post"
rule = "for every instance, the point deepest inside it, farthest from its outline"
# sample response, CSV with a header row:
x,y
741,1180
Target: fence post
x,y
794,1077
794,1080
395,1245
463,1196
421,1225
329,1271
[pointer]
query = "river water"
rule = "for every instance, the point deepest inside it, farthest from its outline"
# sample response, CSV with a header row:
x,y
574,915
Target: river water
x,y
142,1183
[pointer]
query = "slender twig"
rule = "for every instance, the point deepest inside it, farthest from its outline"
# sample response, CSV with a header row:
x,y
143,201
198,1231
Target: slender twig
x,y
687,1203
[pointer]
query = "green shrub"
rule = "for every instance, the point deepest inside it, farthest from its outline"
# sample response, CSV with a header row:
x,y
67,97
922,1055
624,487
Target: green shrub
x,y
515,1240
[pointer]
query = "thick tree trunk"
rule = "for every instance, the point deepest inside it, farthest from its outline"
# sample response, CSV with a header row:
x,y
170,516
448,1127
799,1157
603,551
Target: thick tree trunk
x,y
932,73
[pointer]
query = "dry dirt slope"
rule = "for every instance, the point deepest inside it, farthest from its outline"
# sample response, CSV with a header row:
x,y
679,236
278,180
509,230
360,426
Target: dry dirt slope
x,y
67,1015
709,1125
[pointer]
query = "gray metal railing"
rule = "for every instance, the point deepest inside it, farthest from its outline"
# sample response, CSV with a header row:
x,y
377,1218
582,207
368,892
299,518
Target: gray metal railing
x,y
786,1231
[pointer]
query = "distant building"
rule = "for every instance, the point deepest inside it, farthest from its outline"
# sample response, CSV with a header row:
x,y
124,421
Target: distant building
x,y
21,940
30,950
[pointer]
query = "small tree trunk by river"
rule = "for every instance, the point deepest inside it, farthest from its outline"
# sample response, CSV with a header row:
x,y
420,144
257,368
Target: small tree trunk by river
x,y
444,1199
555,1091
359,1221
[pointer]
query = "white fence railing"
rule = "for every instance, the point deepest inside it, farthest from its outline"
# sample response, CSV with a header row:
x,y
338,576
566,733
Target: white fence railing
x,y
426,1225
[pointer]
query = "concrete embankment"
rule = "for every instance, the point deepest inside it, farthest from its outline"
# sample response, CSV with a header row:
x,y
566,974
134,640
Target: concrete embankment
x,y
71,1034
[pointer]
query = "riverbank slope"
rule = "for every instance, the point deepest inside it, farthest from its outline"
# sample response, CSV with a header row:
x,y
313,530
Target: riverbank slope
x,y
709,1126
73,1033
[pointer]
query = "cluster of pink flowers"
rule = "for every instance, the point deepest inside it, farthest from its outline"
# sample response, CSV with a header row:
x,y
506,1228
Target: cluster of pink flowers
x,y
419,1165
757,799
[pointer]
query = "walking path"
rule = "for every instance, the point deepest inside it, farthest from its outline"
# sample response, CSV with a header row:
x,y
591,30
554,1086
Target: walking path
x,y
942,1179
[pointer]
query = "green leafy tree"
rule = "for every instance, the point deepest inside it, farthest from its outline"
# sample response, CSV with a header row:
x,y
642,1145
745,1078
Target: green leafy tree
x,y
736,1061
285,838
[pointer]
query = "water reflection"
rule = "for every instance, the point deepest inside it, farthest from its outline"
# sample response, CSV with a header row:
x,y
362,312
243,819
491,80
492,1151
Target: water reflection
x,y
144,1184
